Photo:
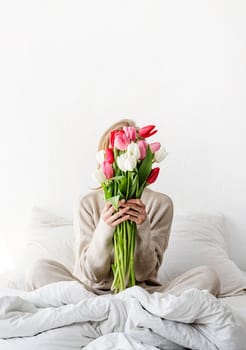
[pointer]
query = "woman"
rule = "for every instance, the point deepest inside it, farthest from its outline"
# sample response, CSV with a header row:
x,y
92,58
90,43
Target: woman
x,y
94,223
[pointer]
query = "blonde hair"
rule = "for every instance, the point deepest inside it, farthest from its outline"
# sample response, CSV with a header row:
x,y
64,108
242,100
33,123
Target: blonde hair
x,y
105,139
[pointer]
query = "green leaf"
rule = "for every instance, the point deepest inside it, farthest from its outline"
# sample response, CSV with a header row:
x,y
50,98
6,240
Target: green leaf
x,y
145,168
107,189
114,201
122,184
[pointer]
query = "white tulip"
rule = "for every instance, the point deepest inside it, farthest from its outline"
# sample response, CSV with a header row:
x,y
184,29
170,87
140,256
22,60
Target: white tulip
x,y
121,162
100,156
131,163
126,162
99,176
160,155
133,150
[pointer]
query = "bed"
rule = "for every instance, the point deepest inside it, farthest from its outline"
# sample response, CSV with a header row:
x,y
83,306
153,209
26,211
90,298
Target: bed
x,y
64,315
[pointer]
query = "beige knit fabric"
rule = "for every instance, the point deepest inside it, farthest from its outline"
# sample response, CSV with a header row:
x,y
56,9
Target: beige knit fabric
x,y
94,247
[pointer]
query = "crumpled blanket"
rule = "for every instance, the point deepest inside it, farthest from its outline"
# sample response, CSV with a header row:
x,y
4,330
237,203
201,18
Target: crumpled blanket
x,y
64,315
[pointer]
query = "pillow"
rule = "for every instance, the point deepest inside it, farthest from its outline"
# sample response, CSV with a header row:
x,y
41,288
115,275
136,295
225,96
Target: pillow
x,y
49,237
197,239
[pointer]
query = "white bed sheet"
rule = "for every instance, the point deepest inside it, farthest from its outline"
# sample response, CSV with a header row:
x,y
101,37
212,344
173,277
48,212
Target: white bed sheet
x,y
238,306
49,317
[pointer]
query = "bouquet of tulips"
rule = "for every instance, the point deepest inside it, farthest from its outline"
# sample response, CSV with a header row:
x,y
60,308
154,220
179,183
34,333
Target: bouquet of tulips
x,y
124,170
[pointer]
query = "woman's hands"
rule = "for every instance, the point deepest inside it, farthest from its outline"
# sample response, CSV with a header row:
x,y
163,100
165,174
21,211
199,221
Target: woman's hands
x,y
137,211
112,217
133,209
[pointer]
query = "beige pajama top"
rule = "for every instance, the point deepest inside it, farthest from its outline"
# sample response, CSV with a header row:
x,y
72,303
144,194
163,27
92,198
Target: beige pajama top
x,y
94,245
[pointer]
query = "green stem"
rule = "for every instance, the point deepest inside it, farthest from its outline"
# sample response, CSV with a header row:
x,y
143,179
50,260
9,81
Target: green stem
x,y
124,246
121,258
115,269
133,238
117,273
128,183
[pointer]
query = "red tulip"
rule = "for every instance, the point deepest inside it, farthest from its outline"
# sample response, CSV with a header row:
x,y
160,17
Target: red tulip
x,y
147,131
111,138
107,169
153,175
109,155
120,140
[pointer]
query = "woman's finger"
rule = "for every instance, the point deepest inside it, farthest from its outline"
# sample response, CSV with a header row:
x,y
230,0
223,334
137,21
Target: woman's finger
x,y
138,209
110,212
122,219
136,201
118,215
106,207
134,213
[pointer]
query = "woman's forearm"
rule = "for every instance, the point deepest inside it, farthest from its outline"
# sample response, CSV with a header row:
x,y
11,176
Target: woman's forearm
x,y
98,255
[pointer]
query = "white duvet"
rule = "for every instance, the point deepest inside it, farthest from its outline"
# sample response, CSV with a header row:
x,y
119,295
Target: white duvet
x,y
64,315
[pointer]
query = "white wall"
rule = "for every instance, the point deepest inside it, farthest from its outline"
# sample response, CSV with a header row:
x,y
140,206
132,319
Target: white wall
x,y
70,68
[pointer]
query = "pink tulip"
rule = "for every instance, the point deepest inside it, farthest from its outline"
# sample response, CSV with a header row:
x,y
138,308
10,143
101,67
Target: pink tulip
x,y
155,146
109,155
130,132
142,144
107,169
147,131
120,140
153,175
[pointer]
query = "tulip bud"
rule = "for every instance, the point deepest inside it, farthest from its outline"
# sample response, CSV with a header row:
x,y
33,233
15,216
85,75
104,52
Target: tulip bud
x,y
131,163
120,140
142,144
109,155
160,155
147,131
130,132
107,169
153,175
126,162
155,146
133,150
112,138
